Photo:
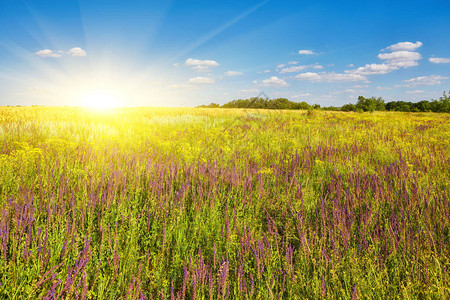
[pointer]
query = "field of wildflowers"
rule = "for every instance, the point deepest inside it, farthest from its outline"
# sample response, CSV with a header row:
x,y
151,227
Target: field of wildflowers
x,y
157,203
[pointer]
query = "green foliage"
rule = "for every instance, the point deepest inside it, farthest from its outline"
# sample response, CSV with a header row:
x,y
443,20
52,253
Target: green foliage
x,y
440,106
348,107
263,103
211,105
364,104
370,104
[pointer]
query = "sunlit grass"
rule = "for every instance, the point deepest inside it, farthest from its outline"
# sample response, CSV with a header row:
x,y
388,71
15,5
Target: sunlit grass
x,y
223,203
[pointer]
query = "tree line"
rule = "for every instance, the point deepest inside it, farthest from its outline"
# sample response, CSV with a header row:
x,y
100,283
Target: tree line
x,y
441,105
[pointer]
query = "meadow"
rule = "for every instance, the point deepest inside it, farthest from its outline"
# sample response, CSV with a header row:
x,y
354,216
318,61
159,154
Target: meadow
x,y
193,203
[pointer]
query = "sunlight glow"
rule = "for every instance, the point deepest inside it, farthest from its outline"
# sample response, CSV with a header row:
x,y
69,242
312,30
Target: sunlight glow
x,y
101,100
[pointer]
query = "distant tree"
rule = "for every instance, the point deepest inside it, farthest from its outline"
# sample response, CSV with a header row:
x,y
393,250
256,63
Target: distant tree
x,y
258,102
279,103
405,107
348,107
370,104
302,105
331,108
212,105
423,106
444,103
363,104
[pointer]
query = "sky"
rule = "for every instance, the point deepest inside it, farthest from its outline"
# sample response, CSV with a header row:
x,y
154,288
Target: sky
x,y
187,53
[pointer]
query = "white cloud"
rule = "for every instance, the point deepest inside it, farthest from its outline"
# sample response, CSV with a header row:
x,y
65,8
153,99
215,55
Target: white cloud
x,y
281,66
393,61
330,77
201,65
309,76
401,59
370,69
415,92
274,81
47,53
306,52
293,69
175,65
439,60
408,46
424,80
350,65
300,68
77,51
202,80
233,73
293,62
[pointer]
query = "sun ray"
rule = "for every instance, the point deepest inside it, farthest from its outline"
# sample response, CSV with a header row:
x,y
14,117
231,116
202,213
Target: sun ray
x,y
101,100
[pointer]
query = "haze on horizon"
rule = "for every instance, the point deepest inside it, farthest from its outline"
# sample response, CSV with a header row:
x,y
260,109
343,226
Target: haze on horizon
x,y
186,53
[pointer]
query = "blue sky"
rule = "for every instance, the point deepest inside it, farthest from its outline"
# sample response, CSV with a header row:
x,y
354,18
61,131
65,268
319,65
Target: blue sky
x,y
186,53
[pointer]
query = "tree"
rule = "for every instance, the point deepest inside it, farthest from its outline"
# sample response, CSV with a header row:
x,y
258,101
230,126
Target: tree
x,y
444,103
370,104
348,107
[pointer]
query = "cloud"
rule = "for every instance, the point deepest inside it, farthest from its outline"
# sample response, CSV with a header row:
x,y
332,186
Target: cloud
x,y
351,65
415,92
424,80
439,60
293,62
175,65
265,71
201,65
330,77
202,80
47,53
274,81
408,46
392,61
281,66
306,52
300,68
309,76
370,69
233,73
401,59
77,51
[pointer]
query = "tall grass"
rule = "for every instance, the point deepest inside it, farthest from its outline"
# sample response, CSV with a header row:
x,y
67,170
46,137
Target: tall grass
x,y
223,204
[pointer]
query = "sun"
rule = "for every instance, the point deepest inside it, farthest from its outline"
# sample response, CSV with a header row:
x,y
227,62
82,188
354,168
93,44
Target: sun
x,y
101,100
